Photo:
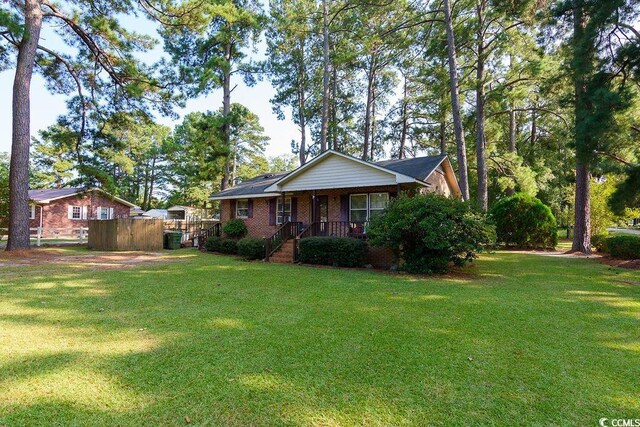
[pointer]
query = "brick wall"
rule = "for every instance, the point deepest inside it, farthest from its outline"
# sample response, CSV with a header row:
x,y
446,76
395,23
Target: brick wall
x,y
55,214
258,224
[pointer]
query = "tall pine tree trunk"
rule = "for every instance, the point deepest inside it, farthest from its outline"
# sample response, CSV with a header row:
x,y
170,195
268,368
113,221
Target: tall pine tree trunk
x,y
443,139
333,118
324,127
303,132
512,141
461,148
21,133
582,65
512,130
481,151
152,180
373,127
302,118
367,110
405,120
226,109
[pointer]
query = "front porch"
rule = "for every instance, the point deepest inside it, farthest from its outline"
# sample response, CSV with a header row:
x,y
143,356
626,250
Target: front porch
x,y
284,245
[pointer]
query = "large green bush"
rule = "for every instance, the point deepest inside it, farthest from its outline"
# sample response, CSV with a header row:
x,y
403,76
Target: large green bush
x,y
251,248
338,251
229,246
525,222
213,244
218,244
235,228
431,231
623,246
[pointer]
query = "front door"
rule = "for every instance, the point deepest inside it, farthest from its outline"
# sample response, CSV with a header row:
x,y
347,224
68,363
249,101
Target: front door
x,y
321,213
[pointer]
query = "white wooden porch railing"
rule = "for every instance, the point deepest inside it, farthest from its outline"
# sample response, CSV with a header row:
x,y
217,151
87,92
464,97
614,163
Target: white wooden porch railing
x,y
45,233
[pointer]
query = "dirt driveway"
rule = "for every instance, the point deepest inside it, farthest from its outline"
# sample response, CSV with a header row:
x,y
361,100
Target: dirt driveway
x,y
81,257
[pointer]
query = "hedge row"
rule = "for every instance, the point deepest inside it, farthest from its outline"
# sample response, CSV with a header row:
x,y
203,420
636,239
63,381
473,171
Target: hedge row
x,y
248,248
623,246
336,251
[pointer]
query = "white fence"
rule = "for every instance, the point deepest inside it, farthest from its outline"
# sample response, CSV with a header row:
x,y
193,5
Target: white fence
x,y
55,234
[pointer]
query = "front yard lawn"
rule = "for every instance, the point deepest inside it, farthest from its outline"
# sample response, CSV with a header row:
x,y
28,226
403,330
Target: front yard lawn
x,y
519,340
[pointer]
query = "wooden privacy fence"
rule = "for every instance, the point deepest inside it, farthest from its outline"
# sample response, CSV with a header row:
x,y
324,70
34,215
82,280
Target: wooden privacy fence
x,y
127,234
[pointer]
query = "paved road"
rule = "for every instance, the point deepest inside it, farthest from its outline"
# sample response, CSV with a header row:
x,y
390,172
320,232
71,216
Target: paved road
x,y
623,230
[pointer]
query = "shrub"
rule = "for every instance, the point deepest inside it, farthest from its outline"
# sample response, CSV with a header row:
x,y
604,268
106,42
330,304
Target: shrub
x,y
213,244
228,246
623,246
251,248
338,251
235,228
431,231
523,221
218,244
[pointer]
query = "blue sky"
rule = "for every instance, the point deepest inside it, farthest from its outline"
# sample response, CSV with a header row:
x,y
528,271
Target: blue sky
x,y
45,107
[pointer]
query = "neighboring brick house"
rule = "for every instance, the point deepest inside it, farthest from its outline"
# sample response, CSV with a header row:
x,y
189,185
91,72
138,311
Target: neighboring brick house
x,y
334,194
74,207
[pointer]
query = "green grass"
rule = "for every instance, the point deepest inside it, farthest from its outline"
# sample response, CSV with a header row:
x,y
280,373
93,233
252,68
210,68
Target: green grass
x,y
520,340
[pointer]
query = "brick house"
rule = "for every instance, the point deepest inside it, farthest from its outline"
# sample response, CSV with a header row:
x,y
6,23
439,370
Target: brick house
x,y
73,207
332,195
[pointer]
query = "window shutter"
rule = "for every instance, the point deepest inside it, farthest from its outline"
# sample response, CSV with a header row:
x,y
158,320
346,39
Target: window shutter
x,y
70,212
272,211
84,212
110,213
344,207
294,209
232,204
250,208
393,195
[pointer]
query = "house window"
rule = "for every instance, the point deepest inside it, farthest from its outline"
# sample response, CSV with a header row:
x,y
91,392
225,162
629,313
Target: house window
x,y
104,213
377,203
358,207
76,212
364,207
287,210
32,211
242,208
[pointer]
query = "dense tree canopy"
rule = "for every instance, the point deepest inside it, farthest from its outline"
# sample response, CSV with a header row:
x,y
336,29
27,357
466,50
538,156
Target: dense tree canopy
x,y
542,101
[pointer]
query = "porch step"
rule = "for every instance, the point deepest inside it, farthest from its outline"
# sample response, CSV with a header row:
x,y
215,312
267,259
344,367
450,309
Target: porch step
x,y
284,254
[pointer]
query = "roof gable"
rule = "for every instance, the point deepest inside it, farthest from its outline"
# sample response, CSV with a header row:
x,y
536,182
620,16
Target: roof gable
x,y
333,169
416,167
254,187
43,195
337,170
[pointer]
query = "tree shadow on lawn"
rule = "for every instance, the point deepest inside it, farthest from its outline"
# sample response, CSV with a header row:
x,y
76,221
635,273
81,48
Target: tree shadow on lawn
x,y
227,342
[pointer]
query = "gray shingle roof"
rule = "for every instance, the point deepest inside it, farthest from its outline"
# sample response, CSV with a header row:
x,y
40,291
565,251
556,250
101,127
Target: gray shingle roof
x,y
255,185
39,195
44,195
417,167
